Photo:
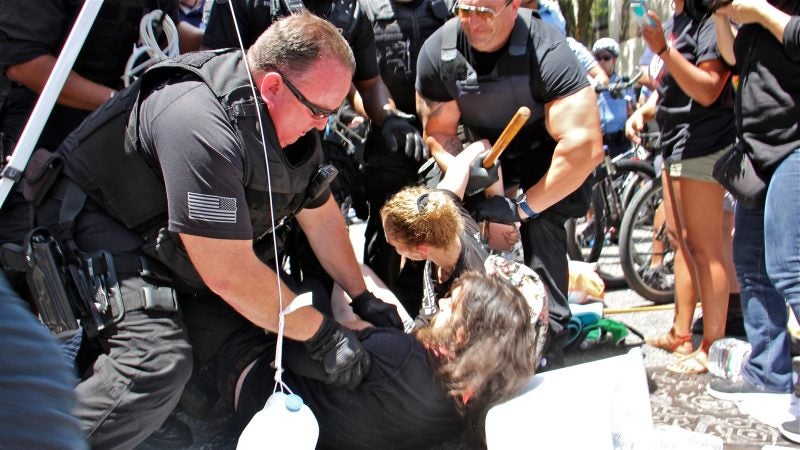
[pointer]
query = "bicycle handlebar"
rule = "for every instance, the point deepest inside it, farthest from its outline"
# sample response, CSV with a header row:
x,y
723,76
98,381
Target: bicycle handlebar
x,y
616,88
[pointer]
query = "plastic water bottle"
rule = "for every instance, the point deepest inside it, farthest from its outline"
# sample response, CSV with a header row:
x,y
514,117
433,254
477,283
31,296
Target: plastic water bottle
x,y
639,10
285,423
727,356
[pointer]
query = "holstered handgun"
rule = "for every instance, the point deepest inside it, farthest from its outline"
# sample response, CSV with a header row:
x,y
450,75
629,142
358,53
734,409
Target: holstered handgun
x,y
71,289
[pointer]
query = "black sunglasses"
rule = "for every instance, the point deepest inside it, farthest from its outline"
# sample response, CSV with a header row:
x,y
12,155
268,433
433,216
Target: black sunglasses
x,y
316,111
604,57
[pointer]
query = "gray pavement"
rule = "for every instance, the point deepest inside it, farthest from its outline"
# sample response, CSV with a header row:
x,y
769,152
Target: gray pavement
x,y
676,400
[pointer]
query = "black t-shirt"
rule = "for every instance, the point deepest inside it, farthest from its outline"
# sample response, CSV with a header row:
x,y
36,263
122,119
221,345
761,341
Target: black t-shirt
x,y
398,405
769,94
554,73
559,73
254,17
688,129
30,29
199,154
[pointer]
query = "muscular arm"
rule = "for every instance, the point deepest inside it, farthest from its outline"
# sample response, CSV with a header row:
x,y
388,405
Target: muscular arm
x,y
78,92
327,234
579,147
232,271
440,122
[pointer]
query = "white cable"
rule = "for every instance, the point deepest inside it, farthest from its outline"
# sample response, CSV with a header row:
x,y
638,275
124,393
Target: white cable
x,y
279,384
148,44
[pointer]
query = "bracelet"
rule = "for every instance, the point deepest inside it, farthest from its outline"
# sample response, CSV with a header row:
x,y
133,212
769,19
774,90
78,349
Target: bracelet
x,y
522,202
663,49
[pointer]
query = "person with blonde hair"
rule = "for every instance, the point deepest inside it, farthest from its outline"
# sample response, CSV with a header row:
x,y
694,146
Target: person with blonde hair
x,y
431,225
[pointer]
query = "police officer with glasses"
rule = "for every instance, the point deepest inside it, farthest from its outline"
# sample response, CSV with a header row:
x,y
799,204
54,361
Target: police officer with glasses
x,y
477,70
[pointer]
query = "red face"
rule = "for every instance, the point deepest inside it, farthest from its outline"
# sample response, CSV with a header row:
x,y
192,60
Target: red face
x,y
487,23
298,103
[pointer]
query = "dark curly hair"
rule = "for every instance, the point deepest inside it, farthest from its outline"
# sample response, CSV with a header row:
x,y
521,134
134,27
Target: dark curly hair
x,y
483,353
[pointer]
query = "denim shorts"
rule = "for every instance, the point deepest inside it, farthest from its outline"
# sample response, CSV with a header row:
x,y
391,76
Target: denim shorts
x,y
699,168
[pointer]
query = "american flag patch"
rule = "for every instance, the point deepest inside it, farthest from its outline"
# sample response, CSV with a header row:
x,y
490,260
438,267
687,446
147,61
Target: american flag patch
x,y
212,208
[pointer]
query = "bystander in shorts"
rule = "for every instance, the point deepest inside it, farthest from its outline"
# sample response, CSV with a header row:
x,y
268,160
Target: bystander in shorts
x,y
699,168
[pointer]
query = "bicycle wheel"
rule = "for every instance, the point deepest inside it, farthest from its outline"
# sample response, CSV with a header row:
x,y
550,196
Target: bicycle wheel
x,y
595,237
646,255
582,233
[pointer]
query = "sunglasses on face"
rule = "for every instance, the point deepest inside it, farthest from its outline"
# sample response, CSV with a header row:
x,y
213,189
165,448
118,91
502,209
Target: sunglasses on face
x,y
316,111
478,12
603,57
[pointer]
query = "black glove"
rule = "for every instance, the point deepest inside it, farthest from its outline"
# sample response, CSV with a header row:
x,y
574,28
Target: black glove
x,y
397,132
376,311
343,357
498,208
479,177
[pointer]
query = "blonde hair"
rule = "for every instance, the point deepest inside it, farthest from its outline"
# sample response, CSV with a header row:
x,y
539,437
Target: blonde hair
x,y
416,215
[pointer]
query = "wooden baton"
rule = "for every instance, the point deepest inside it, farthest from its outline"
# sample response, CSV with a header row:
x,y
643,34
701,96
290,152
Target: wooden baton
x,y
511,130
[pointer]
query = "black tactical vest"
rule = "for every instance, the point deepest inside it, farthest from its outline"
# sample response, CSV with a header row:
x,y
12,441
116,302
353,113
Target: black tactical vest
x,y
129,185
400,30
487,102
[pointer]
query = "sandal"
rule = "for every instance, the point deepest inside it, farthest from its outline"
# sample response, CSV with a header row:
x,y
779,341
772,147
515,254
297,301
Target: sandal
x,y
692,364
678,344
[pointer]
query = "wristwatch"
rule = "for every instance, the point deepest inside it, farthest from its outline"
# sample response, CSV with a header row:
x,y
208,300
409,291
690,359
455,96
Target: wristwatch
x,y
522,202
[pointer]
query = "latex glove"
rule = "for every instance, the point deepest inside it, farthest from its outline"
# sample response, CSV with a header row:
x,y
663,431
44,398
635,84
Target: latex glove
x,y
399,133
343,357
498,208
479,177
376,311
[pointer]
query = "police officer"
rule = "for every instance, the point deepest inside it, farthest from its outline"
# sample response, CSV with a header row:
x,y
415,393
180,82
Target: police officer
x,y
477,70
375,102
615,107
190,210
371,97
400,28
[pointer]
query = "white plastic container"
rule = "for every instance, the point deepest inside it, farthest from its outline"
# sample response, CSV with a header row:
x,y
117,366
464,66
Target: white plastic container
x,y
285,423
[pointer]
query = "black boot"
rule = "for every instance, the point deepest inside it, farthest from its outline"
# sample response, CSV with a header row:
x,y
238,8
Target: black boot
x,y
173,433
734,323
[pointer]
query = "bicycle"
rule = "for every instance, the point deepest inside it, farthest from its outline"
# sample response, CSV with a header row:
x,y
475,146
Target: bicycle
x,y
646,254
594,237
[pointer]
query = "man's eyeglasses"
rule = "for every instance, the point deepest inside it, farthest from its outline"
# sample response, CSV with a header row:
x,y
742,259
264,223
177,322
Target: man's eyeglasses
x,y
603,57
316,111
479,12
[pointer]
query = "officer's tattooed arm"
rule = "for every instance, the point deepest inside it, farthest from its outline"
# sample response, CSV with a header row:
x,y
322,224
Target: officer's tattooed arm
x,y
440,123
